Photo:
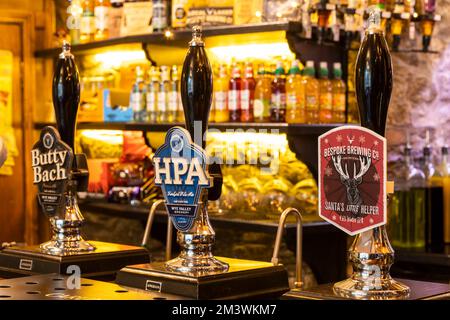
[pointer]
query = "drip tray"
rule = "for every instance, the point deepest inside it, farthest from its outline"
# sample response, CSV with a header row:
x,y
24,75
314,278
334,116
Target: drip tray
x,y
57,287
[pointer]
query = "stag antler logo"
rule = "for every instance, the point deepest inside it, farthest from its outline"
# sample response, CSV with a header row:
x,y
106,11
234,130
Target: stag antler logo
x,y
352,184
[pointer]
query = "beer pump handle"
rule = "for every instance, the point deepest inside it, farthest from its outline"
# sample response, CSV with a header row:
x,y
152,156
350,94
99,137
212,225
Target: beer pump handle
x,y
373,89
66,98
196,96
66,95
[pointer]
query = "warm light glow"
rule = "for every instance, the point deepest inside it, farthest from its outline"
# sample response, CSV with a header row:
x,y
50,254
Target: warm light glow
x,y
258,14
168,34
114,59
278,14
262,51
109,136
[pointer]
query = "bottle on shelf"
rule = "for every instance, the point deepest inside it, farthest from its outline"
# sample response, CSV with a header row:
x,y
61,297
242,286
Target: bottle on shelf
x,y
350,23
434,200
338,89
163,94
76,11
137,101
335,24
295,95
261,105
234,94
427,22
444,169
325,94
160,15
311,85
397,23
87,23
323,18
101,12
115,18
278,98
173,107
221,95
247,94
180,10
152,96
407,207
306,19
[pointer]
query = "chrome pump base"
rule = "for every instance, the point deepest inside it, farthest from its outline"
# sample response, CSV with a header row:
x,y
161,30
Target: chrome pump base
x,y
371,256
196,256
67,239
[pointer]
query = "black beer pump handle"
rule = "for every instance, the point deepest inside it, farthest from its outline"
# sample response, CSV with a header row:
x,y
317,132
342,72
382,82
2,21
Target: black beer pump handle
x,y
66,95
196,96
66,98
196,87
373,76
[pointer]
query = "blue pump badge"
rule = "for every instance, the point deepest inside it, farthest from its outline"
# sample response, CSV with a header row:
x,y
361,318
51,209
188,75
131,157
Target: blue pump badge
x,y
180,171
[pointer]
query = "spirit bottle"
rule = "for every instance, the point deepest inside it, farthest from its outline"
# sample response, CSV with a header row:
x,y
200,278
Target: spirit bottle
x,y
76,11
87,25
152,95
397,24
311,85
247,94
278,99
115,18
163,94
160,15
221,95
434,200
444,169
407,209
338,88
326,95
295,92
179,13
173,96
234,95
137,101
101,12
261,105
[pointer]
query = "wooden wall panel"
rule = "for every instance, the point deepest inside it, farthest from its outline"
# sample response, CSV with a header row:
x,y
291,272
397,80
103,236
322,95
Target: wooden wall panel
x,y
29,25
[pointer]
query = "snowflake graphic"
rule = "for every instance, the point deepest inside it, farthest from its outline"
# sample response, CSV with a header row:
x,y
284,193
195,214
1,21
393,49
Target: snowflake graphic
x,y
334,217
339,138
326,141
375,142
376,177
328,171
371,220
362,139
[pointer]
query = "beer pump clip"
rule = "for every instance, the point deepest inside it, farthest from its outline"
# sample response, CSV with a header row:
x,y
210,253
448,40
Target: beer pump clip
x,y
59,174
188,181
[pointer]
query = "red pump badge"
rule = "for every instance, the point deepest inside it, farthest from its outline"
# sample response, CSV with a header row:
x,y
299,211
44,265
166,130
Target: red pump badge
x,y
352,178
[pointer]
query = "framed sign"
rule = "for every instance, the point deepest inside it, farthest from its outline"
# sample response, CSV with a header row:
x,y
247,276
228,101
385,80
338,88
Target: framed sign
x,y
352,179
